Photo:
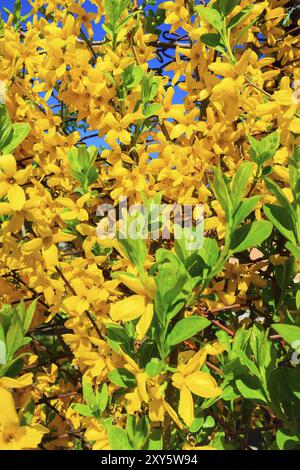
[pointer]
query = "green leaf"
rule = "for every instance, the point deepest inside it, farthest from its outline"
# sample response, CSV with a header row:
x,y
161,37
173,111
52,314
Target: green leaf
x,y
294,249
239,183
88,393
173,288
29,315
118,439
136,251
152,110
20,132
210,16
102,398
122,377
83,410
250,235
290,333
282,220
154,367
227,6
240,17
2,352
265,149
245,209
294,170
286,440
132,76
6,128
250,388
222,194
186,328
210,252
212,40
281,197
155,441
138,430
15,336
117,337
27,414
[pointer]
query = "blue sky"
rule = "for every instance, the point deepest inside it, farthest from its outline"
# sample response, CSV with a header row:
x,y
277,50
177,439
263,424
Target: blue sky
x,y
98,35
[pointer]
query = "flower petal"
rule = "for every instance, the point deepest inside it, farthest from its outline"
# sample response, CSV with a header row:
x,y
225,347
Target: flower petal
x,y
16,197
203,385
8,165
128,309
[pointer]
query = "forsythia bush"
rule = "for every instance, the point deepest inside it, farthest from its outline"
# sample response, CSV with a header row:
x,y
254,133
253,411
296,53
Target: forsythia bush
x,y
134,343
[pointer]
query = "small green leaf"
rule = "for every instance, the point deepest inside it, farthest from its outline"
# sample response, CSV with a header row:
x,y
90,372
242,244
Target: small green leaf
x,y
83,410
88,393
286,440
240,17
282,220
227,6
122,377
212,40
118,439
210,16
250,235
294,249
222,194
2,352
250,388
20,132
290,333
102,398
239,183
265,149
154,367
152,110
244,210
186,328
155,441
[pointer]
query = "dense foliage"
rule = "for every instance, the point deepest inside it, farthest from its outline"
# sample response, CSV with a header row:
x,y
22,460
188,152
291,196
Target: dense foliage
x,y
139,343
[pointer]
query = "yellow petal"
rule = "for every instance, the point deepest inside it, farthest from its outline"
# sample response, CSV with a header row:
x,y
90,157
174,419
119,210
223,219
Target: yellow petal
x,y
177,130
23,381
295,126
196,362
128,309
186,406
51,255
16,197
32,246
8,413
156,411
28,437
203,385
132,282
8,165
145,322
76,304
219,68
214,349
171,412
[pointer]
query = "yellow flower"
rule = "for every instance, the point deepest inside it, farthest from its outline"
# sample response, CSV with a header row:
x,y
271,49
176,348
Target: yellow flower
x,y
10,181
76,210
12,435
83,297
190,380
135,306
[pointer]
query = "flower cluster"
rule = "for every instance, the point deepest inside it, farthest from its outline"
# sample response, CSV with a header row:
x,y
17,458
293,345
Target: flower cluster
x,y
137,343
